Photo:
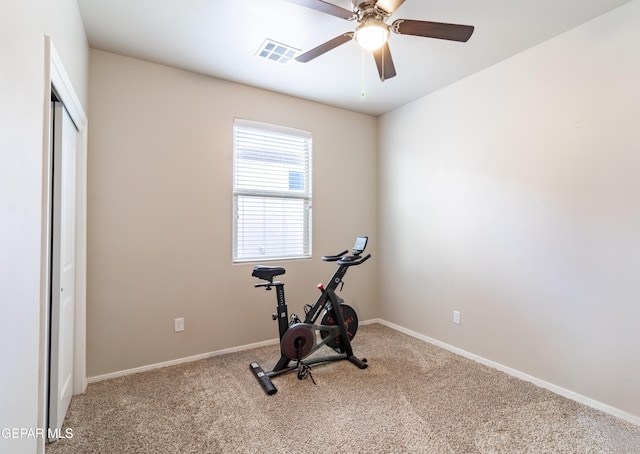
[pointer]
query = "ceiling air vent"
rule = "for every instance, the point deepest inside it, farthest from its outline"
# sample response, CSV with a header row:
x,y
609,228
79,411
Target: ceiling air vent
x,y
276,51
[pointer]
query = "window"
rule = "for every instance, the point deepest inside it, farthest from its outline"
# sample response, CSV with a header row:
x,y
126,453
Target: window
x,y
271,192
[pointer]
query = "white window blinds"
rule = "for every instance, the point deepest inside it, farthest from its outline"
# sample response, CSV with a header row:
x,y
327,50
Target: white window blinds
x,y
271,192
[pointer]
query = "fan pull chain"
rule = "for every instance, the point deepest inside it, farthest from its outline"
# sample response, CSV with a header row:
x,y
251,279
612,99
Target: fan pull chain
x,y
362,73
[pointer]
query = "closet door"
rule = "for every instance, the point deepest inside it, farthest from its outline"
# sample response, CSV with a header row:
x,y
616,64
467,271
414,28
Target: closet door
x,y
63,267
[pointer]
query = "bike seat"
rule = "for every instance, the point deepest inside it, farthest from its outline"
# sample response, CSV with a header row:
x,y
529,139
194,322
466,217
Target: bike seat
x,y
267,272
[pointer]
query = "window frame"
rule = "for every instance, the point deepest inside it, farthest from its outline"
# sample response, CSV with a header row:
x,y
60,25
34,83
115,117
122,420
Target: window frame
x,y
305,195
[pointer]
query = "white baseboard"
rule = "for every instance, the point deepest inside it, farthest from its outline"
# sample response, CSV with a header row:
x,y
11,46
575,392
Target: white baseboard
x,y
516,373
174,362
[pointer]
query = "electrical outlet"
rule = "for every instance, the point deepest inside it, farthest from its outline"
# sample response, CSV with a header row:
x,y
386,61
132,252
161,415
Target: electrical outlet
x,y
456,317
178,325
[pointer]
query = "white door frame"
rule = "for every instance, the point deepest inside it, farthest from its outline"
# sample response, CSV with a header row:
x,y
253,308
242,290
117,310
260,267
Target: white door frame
x,y
56,78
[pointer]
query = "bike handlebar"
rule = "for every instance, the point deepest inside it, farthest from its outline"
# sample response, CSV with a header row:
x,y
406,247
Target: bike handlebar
x,y
333,258
353,260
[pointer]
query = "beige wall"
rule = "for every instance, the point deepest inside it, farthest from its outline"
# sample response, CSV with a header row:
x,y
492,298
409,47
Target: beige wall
x,y
23,26
160,212
512,196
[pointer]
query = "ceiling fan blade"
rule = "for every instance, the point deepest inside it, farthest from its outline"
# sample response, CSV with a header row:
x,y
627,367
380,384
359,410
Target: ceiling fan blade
x,y
326,47
439,30
384,62
325,7
389,5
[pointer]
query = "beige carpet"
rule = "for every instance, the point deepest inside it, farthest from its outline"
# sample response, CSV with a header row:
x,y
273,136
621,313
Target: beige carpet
x,y
413,398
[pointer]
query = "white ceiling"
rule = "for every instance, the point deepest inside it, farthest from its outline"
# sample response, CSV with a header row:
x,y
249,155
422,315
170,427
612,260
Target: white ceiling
x,y
221,37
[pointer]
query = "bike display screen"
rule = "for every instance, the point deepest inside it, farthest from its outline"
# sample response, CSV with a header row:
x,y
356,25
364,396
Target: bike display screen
x,y
361,243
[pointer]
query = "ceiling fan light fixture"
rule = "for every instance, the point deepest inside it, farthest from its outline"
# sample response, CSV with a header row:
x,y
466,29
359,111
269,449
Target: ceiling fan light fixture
x,y
372,35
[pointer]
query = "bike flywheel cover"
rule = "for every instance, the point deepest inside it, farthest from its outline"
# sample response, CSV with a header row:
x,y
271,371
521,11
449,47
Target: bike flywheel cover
x,y
298,341
350,321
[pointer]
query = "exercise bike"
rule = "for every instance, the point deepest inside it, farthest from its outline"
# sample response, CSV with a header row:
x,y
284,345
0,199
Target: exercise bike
x,y
299,339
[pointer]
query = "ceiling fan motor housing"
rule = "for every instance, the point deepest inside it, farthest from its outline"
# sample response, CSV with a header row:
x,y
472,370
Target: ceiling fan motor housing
x,y
367,10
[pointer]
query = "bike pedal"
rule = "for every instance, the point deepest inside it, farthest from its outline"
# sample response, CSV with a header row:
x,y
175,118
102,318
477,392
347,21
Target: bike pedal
x,y
305,372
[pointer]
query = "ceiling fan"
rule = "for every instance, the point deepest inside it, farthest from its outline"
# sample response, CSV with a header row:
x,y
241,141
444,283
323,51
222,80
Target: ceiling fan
x,y
372,32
